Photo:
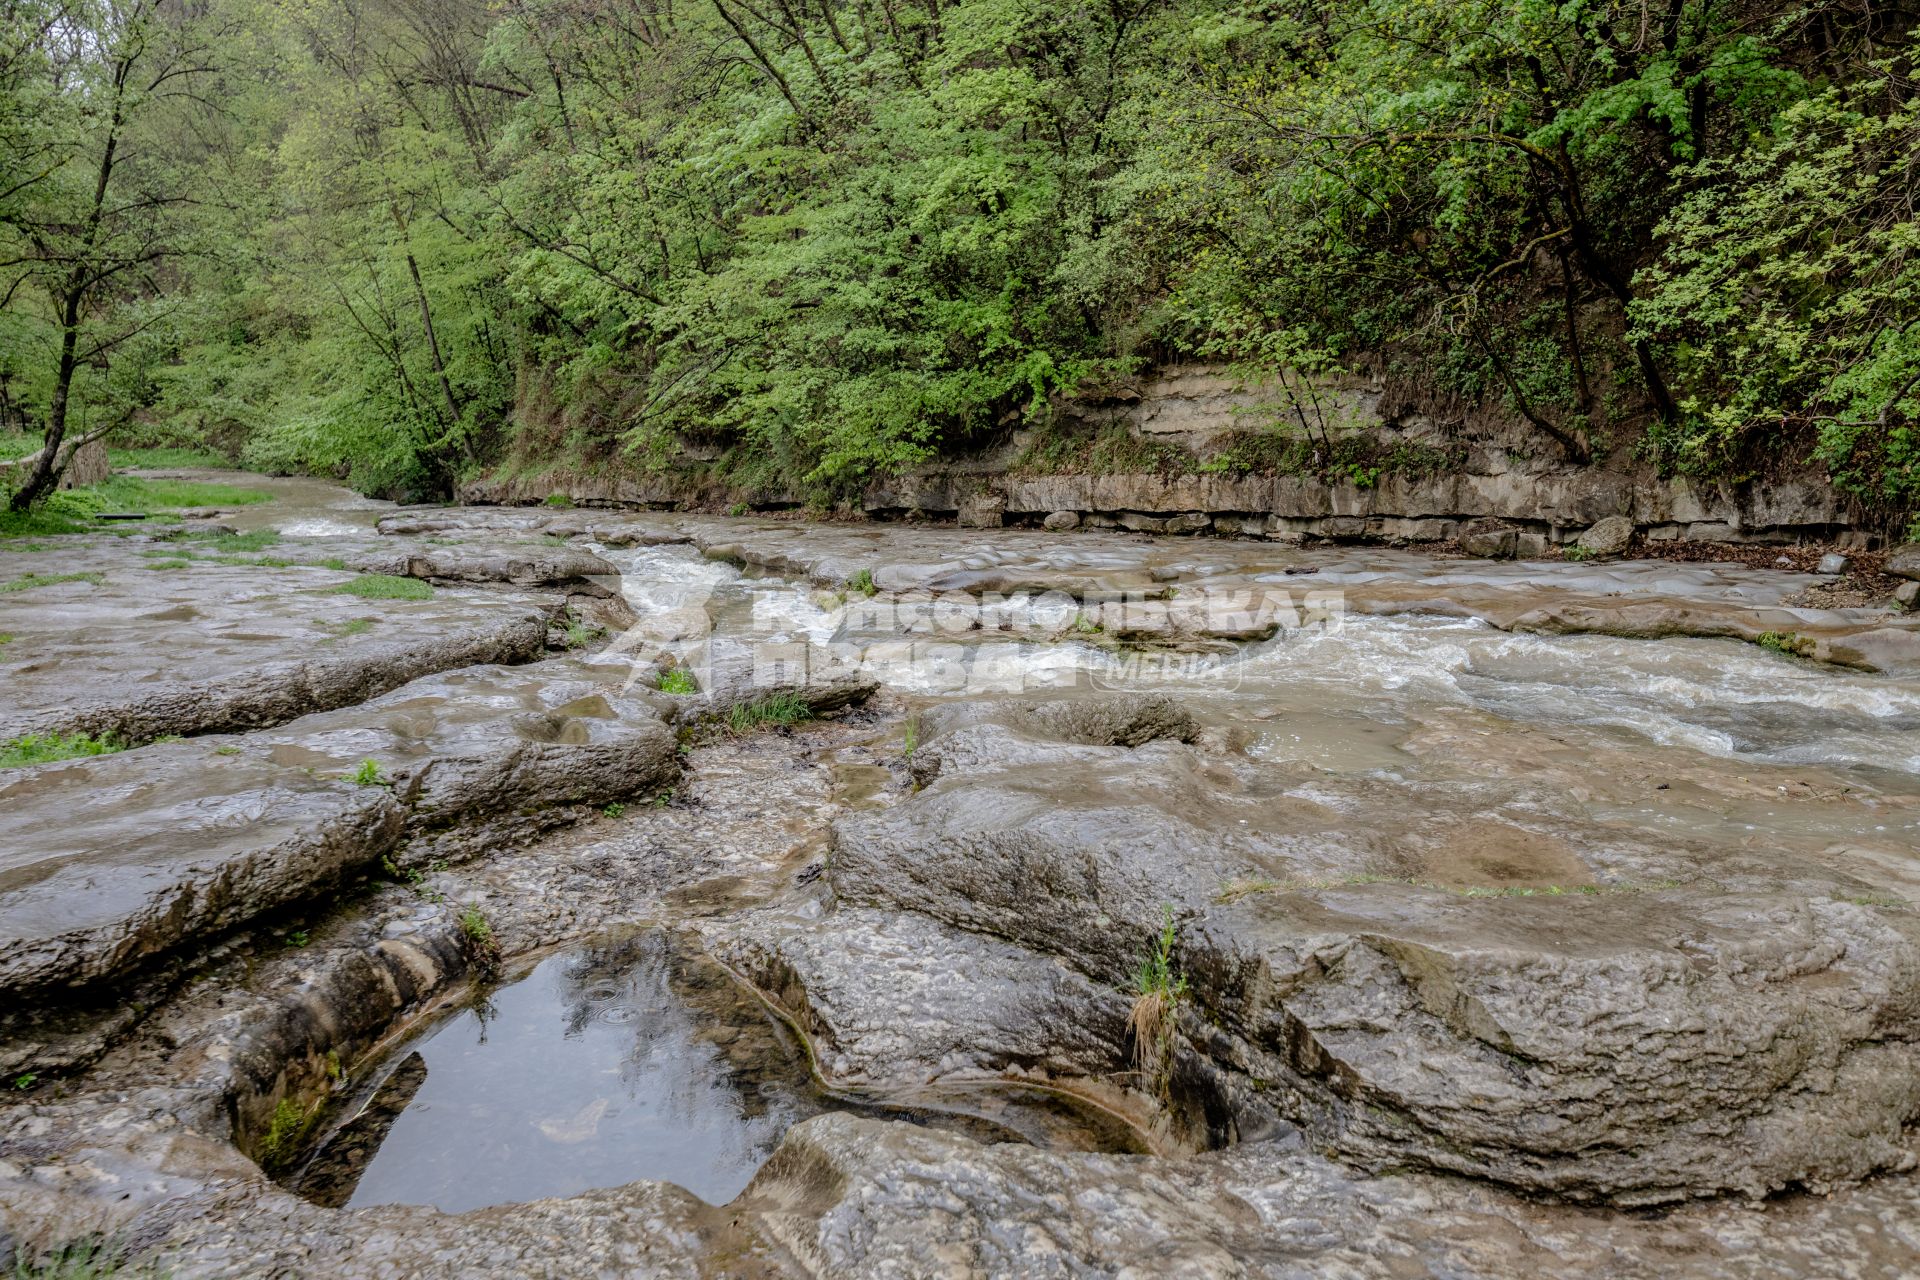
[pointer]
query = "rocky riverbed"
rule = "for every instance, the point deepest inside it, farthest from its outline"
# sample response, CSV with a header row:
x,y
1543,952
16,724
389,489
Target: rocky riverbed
x,y
481,887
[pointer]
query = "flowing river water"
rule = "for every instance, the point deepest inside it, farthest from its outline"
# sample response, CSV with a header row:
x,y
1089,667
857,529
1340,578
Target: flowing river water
x,y
766,944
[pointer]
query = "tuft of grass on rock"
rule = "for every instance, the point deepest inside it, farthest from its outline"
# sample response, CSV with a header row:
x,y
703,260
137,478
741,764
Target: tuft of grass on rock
x,y
50,748
1785,643
1158,990
862,584
384,586
677,680
483,948
582,634
779,709
32,580
370,774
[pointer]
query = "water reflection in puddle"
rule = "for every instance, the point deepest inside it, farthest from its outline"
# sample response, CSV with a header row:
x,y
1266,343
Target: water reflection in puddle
x,y
626,1061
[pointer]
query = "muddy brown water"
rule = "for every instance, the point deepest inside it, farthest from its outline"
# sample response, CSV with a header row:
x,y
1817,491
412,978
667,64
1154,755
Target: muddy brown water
x,y
629,1058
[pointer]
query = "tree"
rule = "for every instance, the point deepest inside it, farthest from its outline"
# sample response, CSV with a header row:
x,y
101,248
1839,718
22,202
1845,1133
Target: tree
x,y
98,219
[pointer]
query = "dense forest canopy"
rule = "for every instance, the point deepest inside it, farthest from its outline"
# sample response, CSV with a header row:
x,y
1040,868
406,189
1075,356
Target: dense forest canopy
x,y
404,240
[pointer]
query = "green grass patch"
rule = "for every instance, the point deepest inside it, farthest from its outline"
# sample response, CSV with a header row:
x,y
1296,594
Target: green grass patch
x,y
176,562
351,627
5,639
38,523
384,586
370,774
68,510
138,493
255,540
333,562
677,680
161,459
32,580
781,708
559,500
49,748
862,582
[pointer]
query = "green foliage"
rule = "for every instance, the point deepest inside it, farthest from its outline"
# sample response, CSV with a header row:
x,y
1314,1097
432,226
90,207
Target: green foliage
x,y
677,680
370,774
828,242
383,586
1790,293
862,583
613,810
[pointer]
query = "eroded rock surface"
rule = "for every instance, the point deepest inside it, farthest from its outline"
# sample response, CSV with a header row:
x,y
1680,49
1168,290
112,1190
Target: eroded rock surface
x,y
1644,1021
518,566
114,860
141,654
1452,960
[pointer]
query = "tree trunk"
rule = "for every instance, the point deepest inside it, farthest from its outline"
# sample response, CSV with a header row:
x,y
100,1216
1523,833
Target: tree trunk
x,y
433,344
47,473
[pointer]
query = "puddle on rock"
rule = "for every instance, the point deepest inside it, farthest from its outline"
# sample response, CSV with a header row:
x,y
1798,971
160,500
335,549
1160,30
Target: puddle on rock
x,y
628,1060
